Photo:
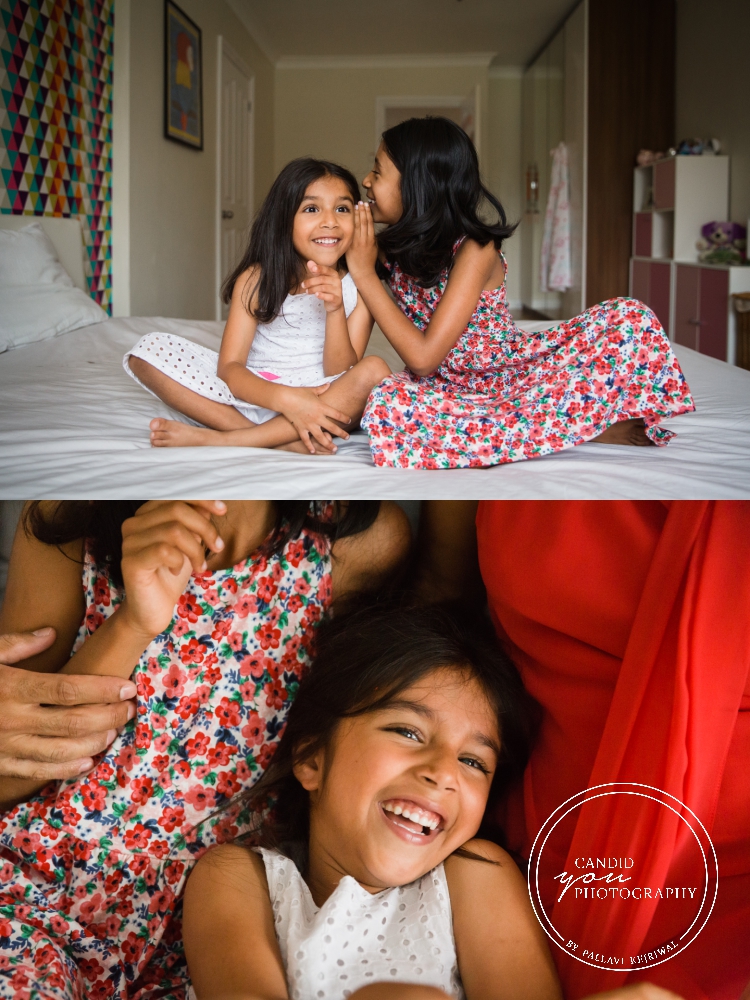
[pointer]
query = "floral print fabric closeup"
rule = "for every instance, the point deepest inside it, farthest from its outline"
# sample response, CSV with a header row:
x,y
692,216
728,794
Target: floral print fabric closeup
x,y
503,394
91,870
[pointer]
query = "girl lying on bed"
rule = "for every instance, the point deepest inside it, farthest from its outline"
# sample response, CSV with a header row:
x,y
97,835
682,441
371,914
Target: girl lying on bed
x,y
368,871
211,609
290,372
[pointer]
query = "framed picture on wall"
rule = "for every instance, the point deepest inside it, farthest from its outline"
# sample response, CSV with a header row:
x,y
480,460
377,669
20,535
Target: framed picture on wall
x,y
183,78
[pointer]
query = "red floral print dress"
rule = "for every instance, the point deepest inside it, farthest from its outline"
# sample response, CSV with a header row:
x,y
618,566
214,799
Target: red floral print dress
x,y
503,394
92,869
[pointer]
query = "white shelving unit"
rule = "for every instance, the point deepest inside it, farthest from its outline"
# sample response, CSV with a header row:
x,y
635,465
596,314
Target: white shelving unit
x,y
672,200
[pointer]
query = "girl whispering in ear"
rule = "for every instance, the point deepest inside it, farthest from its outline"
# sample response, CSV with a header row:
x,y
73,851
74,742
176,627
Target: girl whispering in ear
x,y
477,389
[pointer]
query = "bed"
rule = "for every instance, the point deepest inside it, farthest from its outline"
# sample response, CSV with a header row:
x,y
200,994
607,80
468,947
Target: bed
x,y
73,424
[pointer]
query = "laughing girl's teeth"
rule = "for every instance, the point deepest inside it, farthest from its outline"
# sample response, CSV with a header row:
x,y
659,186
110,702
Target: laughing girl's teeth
x,y
409,811
326,242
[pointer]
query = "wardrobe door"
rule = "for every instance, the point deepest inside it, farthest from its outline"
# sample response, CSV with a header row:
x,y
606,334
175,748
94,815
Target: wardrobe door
x,y
659,289
640,280
714,306
687,317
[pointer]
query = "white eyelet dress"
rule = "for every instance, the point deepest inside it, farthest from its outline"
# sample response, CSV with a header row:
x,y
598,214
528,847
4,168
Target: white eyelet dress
x,y
402,935
289,350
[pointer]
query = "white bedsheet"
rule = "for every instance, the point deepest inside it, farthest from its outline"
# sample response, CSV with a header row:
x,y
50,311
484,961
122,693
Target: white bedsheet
x,y
72,424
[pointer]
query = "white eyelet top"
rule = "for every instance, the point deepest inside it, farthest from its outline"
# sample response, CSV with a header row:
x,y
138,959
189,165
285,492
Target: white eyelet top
x,y
290,347
402,935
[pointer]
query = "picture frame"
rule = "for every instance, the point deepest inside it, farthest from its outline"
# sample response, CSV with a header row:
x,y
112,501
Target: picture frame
x,y
183,78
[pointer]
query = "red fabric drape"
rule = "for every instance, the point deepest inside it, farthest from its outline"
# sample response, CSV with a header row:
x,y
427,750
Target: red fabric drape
x,y
630,623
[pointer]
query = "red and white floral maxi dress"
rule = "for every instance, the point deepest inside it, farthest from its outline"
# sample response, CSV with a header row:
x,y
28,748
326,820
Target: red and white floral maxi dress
x,y
504,394
92,869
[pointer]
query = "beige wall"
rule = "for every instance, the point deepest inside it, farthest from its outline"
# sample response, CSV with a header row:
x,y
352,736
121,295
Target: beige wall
x,y
713,90
330,113
172,206
503,177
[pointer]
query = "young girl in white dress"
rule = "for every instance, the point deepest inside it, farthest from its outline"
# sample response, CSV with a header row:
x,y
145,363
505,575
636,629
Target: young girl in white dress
x,y
290,372
368,881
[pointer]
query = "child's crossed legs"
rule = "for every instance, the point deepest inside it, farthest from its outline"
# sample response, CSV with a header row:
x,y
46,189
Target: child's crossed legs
x,y
226,426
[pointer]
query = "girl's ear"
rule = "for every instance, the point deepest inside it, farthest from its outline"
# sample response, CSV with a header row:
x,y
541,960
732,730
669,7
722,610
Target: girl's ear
x,y
309,771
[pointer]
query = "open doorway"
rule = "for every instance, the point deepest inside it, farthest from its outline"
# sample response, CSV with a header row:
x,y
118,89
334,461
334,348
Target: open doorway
x,y
464,110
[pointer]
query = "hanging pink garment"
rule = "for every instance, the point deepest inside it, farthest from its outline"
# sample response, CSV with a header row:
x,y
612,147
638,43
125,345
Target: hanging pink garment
x,y
555,270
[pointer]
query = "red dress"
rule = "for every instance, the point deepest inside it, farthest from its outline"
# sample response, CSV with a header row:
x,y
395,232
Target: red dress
x,y
630,623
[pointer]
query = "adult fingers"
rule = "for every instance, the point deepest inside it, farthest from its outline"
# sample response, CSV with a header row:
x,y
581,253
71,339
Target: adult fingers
x,y
170,542
32,688
53,749
22,767
77,722
15,646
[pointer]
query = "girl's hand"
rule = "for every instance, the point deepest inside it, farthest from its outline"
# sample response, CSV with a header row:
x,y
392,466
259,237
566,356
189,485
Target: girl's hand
x,y
314,420
363,253
162,545
325,284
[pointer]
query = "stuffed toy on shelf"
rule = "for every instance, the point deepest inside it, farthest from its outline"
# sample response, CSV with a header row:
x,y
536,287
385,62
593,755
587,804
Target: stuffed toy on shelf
x,y
722,243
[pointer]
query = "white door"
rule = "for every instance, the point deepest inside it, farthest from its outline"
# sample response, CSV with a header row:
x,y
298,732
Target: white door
x,y
236,163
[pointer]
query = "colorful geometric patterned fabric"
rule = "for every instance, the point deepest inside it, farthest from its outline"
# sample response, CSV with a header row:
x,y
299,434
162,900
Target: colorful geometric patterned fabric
x,y
56,120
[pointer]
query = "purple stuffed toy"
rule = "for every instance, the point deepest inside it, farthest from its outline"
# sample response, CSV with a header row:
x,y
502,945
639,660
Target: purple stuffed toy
x,y
722,243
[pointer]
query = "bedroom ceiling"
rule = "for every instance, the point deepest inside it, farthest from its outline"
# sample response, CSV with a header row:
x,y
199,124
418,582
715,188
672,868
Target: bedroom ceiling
x,y
313,28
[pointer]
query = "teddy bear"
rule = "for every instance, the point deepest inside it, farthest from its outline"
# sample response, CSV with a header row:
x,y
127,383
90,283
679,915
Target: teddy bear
x,y
722,243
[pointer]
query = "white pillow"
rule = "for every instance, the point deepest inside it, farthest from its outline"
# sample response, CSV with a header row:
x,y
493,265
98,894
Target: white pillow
x,y
29,313
27,257
38,299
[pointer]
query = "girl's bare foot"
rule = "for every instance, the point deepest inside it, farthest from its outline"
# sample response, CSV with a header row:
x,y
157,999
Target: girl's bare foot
x,y
174,434
625,432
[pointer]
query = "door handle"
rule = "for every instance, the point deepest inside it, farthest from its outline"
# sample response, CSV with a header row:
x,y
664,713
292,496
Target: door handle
x,y
227,214
695,322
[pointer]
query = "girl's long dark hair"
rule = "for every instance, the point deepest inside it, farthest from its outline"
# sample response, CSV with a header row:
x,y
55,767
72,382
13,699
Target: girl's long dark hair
x,y
442,194
364,657
100,522
271,246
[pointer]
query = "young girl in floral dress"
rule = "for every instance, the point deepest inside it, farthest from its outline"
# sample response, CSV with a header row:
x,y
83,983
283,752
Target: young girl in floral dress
x,y
211,608
478,390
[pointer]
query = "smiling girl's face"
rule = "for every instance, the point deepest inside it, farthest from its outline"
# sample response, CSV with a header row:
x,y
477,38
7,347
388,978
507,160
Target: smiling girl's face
x,y
383,186
324,222
402,787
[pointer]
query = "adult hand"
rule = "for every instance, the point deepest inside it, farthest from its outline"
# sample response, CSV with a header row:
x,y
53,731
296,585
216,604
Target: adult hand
x,y
325,284
314,420
363,253
51,725
162,545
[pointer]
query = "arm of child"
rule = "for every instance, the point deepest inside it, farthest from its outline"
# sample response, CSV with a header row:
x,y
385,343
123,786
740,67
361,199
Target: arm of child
x,y
162,544
346,337
366,560
475,268
300,406
446,564
228,929
502,951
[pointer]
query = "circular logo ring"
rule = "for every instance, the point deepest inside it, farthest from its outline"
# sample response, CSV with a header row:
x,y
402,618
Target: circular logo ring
x,y
662,798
